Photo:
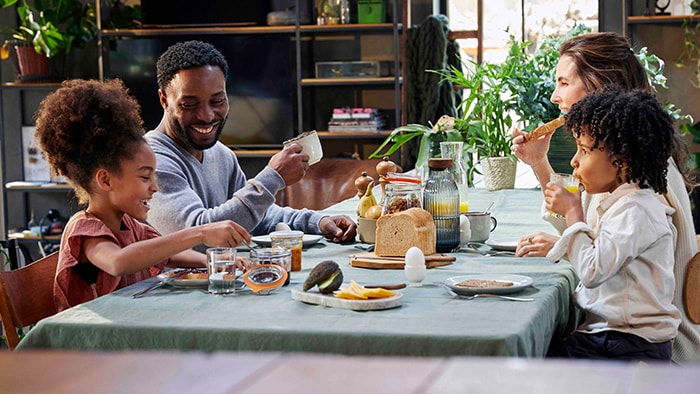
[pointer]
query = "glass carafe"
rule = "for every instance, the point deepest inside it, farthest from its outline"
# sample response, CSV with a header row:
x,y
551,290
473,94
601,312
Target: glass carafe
x,y
454,150
441,199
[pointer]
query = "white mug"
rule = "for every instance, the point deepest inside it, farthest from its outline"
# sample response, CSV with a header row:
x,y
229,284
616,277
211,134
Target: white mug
x,y
310,144
481,225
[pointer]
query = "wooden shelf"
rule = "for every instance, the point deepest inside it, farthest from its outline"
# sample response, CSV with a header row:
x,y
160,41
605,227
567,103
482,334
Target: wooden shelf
x,y
348,81
213,30
30,186
331,135
21,236
663,19
31,85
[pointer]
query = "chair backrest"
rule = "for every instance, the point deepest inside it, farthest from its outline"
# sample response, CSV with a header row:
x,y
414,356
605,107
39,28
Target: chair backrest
x,y
327,182
26,296
17,252
691,289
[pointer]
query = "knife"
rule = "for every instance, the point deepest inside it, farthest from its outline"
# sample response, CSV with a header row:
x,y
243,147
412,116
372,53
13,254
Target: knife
x,y
160,283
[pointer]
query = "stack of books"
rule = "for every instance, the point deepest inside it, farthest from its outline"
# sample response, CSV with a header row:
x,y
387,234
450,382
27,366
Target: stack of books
x,y
356,119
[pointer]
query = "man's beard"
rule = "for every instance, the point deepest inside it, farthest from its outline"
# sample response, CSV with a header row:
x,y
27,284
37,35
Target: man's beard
x,y
186,139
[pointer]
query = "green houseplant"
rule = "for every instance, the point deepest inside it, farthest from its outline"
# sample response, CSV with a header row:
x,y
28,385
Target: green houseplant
x,y
51,27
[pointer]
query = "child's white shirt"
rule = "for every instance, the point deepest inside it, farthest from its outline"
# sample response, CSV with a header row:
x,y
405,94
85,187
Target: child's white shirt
x,y
625,263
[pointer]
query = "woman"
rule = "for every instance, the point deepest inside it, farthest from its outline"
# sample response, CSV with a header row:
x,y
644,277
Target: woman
x,y
588,63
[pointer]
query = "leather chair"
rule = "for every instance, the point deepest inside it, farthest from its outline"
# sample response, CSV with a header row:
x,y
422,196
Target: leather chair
x,y
327,182
26,296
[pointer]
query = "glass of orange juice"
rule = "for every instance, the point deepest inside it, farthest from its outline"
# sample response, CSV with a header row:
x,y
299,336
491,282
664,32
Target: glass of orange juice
x,y
565,180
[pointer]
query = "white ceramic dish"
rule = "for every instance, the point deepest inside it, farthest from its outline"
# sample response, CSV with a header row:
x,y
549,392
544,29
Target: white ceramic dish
x,y
500,244
189,283
314,297
307,240
519,282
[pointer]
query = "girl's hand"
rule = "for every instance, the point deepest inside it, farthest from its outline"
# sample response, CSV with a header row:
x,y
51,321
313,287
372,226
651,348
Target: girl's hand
x,y
535,245
225,233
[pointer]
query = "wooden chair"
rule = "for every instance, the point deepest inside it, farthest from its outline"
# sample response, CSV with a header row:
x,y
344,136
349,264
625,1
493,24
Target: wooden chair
x,y
691,289
26,296
327,182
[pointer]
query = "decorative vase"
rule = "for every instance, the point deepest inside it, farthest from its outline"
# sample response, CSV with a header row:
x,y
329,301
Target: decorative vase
x,y
499,172
31,66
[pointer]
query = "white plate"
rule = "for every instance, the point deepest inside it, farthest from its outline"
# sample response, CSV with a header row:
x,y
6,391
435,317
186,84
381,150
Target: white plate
x,y
307,240
519,282
186,283
183,282
314,297
500,244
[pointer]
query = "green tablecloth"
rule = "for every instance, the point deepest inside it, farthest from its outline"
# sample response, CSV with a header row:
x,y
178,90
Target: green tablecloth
x,y
429,323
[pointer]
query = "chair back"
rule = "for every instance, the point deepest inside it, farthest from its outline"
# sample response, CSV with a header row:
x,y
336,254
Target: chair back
x,y
691,289
26,296
17,253
327,182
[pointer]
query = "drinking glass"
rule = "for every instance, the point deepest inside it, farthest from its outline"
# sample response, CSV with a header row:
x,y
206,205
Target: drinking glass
x,y
567,181
221,268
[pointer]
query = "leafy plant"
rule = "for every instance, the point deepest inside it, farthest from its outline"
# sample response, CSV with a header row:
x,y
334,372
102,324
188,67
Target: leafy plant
x,y
123,16
54,26
534,80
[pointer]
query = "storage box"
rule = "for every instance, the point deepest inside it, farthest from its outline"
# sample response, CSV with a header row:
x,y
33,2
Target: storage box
x,y
357,69
371,11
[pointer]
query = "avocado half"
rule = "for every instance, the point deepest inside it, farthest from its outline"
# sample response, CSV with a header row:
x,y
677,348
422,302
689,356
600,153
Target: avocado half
x,y
327,275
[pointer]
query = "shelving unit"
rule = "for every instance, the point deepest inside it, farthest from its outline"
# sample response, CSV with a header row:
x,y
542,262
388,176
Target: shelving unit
x,y
663,35
18,102
313,99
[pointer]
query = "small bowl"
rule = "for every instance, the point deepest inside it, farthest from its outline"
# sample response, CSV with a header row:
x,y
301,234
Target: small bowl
x,y
264,279
367,228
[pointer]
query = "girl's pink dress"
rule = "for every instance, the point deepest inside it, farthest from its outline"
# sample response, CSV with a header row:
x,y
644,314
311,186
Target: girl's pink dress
x,y
77,283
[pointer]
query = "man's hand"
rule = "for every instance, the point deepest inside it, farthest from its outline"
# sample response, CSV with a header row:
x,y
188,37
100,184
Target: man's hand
x,y
340,228
290,163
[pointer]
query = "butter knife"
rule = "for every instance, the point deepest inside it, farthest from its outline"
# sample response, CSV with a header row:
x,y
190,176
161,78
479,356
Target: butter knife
x,y
160,283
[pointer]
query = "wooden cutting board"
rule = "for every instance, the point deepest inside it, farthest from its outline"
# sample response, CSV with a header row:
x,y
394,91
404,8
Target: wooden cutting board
x,y
371,260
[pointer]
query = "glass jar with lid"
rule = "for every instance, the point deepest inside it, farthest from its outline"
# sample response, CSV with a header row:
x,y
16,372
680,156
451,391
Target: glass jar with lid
x,y
401,196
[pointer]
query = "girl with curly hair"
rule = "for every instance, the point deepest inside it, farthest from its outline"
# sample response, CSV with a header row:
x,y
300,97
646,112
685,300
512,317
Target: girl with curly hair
x,y
91,132
624,259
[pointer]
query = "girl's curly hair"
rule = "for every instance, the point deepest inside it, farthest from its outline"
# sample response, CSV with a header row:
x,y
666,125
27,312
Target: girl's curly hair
x,y
86,125
635,130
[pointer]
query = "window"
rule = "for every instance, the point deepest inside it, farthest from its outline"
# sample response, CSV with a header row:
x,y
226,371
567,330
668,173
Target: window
x,y
534,18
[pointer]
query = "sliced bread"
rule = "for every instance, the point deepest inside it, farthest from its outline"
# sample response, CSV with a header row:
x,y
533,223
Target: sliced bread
x,y
397,232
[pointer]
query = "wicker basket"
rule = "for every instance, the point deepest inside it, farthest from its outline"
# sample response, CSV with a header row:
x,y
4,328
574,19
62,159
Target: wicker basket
x,y
499,172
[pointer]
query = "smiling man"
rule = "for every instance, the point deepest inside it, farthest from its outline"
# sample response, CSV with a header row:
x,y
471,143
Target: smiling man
x,y
199,178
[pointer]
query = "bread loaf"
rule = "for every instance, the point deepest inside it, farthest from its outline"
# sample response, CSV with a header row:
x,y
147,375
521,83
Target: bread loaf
x,y
397,232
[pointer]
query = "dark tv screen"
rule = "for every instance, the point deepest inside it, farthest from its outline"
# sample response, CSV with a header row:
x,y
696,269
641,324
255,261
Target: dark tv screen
x,y
260,85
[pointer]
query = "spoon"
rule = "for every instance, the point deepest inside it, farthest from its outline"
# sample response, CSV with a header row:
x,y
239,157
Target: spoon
x,y
251,251
487,210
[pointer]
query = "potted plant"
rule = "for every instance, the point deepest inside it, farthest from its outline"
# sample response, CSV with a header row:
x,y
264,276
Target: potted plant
x,y
51,28
484,124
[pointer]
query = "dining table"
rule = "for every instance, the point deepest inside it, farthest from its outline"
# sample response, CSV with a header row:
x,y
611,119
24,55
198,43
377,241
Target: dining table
x,y
429,321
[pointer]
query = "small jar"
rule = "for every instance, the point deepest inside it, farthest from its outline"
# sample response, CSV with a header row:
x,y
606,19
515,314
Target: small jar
x,y
402,196
278,256
292,240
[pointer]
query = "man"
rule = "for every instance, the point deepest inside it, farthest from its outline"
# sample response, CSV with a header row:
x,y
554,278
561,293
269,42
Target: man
x,y
199,178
